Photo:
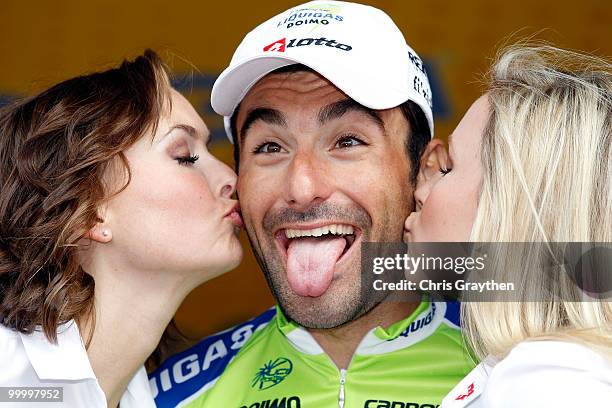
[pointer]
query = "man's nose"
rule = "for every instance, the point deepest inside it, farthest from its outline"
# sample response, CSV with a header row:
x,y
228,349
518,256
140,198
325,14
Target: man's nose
x,y
307,181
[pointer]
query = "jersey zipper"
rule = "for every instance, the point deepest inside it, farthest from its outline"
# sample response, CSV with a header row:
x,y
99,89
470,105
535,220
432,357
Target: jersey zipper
x,y
342,381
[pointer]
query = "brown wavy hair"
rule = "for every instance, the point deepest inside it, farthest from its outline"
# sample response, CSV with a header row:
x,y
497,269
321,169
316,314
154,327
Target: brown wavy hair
x,y
55,149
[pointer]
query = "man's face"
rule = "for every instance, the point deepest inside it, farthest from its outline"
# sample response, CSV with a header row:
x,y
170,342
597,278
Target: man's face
x,y
318,175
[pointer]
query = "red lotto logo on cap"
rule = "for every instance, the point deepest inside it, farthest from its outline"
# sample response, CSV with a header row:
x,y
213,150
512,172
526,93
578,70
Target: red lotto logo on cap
x,y
278,46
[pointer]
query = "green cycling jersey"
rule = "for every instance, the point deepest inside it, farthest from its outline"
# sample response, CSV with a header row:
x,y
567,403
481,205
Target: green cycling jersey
x,y
271,362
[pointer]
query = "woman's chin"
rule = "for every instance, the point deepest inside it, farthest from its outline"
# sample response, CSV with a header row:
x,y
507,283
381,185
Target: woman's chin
x,y
234,260
223,263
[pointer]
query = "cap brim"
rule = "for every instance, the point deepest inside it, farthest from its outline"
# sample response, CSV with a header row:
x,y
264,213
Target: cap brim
x,y
234,83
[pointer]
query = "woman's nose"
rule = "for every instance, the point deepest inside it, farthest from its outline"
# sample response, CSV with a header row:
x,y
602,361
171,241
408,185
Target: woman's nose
x,y
422,192
226,179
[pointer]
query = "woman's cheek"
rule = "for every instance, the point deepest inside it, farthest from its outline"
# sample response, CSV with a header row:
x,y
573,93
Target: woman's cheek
x,y
430,215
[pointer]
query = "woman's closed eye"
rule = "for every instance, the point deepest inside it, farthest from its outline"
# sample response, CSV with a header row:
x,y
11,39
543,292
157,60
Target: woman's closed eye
x,y
187,160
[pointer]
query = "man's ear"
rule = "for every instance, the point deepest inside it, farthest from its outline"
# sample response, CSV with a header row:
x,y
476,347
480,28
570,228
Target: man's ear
x,y
433,160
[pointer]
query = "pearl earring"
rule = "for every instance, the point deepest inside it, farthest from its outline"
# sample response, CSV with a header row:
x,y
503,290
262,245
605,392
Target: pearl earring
x,y
105,233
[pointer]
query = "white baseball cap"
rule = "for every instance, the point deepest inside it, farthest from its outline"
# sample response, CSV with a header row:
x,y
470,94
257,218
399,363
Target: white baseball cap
x,y
356,47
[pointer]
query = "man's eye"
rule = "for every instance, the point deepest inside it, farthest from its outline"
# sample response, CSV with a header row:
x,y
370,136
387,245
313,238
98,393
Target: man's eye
x,y
268,147
348,141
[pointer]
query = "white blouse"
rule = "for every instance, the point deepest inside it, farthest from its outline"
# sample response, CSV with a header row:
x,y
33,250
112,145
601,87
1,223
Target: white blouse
x,y
32,361
537,374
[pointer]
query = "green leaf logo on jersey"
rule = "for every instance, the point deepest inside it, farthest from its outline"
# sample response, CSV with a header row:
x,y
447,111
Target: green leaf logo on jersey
x,y
272,373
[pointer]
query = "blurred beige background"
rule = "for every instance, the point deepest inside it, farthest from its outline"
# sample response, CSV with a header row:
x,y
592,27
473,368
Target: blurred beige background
x,y
43,42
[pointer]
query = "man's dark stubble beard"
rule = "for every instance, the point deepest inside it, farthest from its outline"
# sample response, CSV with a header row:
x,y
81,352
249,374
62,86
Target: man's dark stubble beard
x,y
330,310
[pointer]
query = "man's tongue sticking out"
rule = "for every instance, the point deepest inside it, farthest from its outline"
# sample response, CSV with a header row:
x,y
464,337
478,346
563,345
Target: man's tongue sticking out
x,y
311,262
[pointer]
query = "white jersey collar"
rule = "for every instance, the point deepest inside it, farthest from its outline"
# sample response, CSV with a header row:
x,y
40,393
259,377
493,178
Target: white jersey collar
x,y
417,327
413,329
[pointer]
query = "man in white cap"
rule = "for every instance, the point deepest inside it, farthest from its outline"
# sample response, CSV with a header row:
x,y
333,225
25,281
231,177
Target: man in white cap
x,y
329,111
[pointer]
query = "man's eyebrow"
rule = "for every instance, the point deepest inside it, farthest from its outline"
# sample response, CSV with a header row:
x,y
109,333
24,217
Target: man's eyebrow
x,y
267,115
338,109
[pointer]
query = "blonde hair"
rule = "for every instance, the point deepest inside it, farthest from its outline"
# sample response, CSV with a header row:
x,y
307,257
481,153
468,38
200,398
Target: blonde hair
x,y
547,162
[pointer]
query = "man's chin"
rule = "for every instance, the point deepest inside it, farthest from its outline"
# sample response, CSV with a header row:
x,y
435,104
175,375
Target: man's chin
x,y
335,307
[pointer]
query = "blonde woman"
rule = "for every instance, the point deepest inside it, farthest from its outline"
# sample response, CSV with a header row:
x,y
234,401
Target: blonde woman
x,y
531,161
